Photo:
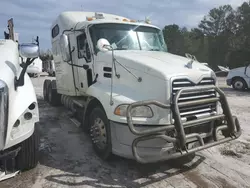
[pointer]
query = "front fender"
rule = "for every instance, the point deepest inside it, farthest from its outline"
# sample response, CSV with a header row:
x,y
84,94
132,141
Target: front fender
x,y
19,102
123,94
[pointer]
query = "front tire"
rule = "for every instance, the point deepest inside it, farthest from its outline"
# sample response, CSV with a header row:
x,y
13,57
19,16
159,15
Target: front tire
x,y
100,133
239,84
27,158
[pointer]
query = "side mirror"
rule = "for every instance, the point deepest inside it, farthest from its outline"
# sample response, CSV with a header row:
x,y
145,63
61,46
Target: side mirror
x,y
103,45
29,50
64,45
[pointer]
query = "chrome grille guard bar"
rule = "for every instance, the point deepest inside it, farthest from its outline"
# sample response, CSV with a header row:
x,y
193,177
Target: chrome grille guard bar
x,y
232,125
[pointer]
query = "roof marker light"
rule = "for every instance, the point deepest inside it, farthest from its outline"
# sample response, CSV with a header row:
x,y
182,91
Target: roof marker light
x,y
89,18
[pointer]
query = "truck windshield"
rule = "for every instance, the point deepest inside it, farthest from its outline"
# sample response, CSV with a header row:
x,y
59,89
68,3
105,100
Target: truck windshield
x,y
129,37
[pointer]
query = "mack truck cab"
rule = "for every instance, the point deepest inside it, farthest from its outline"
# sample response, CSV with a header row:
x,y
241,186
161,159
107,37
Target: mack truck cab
x,y
18,109
130,95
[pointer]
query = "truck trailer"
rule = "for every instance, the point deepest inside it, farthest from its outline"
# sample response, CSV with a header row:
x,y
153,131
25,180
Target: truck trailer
x,y
133,97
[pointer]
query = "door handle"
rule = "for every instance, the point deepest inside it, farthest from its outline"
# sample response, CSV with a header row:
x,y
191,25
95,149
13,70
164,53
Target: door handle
x,y
86,67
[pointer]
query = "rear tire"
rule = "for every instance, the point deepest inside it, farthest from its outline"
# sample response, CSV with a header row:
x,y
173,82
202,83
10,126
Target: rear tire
x,y
27,158
53,97
100,132
239,84
45,89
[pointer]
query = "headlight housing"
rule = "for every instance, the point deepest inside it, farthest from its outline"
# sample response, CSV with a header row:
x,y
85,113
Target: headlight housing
x,y
139,111
3,112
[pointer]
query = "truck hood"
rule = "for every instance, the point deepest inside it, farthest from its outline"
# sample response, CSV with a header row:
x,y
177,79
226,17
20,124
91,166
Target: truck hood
x,y
239,69
9,61
163,64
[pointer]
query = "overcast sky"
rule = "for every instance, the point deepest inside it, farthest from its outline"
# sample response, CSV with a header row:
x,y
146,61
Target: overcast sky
x,y
34,17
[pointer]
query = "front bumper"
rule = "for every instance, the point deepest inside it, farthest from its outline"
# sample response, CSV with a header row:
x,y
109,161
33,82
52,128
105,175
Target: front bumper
x,y
180,139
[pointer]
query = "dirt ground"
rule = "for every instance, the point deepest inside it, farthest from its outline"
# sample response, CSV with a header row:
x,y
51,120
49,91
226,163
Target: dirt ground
x,y
68,160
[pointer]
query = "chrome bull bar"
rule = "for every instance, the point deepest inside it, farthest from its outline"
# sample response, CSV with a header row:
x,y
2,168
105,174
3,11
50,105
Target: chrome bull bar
x,y
180,140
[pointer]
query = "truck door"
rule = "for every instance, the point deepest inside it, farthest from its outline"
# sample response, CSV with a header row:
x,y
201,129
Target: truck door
x,y
84,60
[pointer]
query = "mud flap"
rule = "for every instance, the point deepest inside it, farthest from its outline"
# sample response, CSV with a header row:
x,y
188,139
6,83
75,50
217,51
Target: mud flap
x,y
4,176
8,166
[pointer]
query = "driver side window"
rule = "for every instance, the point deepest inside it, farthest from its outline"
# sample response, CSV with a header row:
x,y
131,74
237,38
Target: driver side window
x,y
83,47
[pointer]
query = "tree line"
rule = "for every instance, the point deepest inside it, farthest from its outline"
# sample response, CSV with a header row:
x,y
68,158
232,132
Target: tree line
x,y
221,38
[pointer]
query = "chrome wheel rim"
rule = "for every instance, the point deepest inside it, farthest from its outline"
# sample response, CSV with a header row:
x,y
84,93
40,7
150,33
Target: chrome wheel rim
x,y
98,133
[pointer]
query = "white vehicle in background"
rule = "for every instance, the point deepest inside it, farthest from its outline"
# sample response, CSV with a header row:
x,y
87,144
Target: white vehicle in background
x,y
239,78
35,68
19,114
133,97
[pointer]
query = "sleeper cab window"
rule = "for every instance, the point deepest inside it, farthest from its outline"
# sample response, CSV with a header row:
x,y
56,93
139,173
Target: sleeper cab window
x,y
55,31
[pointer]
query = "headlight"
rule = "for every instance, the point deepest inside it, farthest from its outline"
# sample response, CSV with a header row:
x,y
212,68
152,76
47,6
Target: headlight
x,y
3,112
139,111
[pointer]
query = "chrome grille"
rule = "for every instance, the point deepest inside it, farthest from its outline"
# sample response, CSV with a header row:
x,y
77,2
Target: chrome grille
x,y
193,112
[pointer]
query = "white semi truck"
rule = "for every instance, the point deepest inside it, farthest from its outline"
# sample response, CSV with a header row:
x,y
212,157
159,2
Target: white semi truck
x,y
239,78
19,113
133,97
35,68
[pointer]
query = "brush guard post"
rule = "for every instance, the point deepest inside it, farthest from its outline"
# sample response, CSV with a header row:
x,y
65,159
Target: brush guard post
x,y
232,126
